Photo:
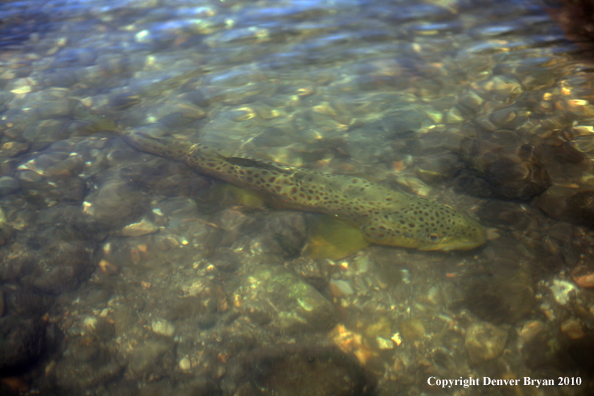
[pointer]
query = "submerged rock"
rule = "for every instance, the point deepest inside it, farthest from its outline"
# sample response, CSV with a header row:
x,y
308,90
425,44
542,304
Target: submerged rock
x,y
288,303
22,341
512,170
88,363
485,341
49,253
8,185
114,204
57,267
294,370
567,203
143,227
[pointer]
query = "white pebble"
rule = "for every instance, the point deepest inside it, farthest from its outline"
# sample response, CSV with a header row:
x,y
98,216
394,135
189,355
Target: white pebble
x,y
163,327
185,364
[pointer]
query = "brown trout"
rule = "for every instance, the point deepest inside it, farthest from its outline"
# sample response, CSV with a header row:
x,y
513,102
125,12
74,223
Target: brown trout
x,y
385,216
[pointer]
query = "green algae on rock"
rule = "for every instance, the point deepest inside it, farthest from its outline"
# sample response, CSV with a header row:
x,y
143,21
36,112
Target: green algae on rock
x,y
385,216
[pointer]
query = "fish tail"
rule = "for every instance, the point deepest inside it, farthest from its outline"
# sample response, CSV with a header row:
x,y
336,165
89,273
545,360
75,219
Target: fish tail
x,y
165,147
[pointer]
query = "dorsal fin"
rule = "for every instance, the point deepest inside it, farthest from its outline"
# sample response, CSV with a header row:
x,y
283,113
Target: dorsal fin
x,y
250,163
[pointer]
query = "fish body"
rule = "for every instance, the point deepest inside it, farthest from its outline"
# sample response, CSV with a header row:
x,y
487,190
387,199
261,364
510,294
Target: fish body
x,y
385,216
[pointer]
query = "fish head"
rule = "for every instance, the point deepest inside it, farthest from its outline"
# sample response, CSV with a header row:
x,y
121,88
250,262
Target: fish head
x,y
432,228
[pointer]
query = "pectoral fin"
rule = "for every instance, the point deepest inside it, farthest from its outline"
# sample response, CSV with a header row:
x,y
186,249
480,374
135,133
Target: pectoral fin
x,y
334,239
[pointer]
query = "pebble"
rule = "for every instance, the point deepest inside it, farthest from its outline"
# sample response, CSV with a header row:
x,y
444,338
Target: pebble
x,y
561,290
90,322
530,330
384,344
340,288
572,329
8,185
30,176
185,364
163,327
143,227
485,341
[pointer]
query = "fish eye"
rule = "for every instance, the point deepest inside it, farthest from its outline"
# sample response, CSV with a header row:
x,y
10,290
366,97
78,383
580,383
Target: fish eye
x,y
433,237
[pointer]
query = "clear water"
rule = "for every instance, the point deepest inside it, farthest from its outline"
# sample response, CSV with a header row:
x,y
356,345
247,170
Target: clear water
x,y
126,273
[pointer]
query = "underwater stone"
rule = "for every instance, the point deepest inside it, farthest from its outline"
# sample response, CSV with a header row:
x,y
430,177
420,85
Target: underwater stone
x,y
114,204
294,370
512,170
8,185
163,327
143,227
151,357
572,329
58,266
293,304
485,341
22,342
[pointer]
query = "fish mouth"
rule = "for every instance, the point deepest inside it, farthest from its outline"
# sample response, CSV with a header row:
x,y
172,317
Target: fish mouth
x,y
469,245
458,245
464,246
455,246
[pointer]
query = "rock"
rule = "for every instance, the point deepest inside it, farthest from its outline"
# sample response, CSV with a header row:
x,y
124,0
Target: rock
x,y
24,302
143,227
485,341
114,204
505,296
55,267
567,203
530,330
48,253
286,300
511,169
152,357
412,329
284,233
339,288
6,231
572,329
225,260
436,168
185,364
21,342
88,364
8,185
293,370
163,327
